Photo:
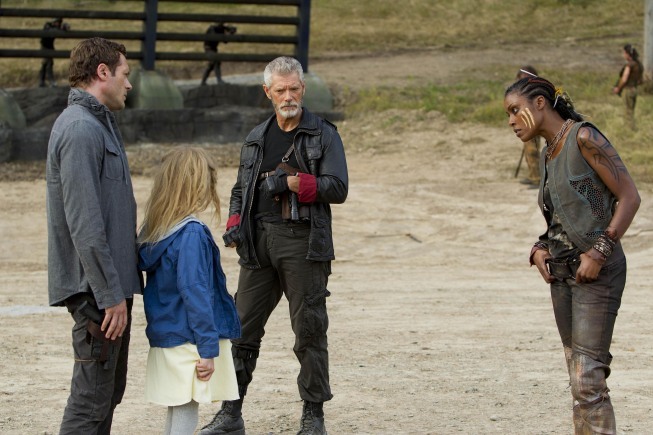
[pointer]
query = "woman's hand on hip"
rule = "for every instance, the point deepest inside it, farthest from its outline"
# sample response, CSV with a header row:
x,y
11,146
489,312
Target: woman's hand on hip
x,y
589,268
539,259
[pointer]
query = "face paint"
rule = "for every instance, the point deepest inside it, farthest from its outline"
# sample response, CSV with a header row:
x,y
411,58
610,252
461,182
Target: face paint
x,y
528,117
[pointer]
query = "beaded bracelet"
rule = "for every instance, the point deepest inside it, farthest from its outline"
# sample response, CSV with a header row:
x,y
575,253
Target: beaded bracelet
x,y
604,245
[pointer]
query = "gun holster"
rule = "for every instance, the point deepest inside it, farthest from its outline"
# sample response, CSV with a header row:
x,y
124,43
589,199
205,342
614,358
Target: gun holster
x,y
94,332
291,209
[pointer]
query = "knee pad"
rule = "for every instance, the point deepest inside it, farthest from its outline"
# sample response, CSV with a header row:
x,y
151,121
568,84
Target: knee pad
x,y
244,363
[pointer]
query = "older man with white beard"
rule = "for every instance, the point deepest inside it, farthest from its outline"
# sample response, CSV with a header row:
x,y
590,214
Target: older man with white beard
x,y
292,167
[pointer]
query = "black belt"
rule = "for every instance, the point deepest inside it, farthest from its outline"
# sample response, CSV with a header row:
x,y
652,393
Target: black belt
x,y
563,269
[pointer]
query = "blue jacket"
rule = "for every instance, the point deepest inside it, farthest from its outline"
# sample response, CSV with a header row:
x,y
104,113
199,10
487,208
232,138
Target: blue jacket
x,y
186,298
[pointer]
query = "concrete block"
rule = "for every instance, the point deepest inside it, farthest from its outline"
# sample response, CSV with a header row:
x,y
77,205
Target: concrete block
x,y
10,111
153,90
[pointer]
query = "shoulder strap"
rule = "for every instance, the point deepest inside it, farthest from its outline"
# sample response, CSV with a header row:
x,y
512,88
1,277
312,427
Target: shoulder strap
x,y
286,156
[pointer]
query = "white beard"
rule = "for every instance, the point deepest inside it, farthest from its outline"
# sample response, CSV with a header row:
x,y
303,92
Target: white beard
x,y
289,112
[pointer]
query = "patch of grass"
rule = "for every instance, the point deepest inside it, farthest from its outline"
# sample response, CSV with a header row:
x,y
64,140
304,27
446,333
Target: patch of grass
x,y
481,101
381,25
469,100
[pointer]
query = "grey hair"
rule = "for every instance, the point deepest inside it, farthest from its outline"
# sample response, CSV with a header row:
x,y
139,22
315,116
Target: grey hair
x,y
283,65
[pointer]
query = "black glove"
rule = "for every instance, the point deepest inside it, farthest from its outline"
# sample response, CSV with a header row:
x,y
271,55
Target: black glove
x,y
274,184
232,236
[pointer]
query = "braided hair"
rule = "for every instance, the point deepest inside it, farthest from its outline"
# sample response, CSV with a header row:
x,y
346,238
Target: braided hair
x,y
632,52
560,101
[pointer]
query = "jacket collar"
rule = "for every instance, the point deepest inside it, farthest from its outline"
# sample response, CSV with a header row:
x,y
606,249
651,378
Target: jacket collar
x,y
80,97
308,124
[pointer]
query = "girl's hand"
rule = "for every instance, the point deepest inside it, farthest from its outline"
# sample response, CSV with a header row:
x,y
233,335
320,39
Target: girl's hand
x,y
539,259
204,369
590,266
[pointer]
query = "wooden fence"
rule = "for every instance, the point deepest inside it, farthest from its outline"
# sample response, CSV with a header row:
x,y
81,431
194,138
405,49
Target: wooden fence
x,y
151,17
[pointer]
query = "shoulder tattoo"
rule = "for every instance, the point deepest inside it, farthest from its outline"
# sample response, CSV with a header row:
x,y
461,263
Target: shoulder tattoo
x,y
601,151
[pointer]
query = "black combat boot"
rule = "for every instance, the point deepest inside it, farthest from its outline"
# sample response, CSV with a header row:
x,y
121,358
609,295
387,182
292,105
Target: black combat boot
x,y
229,420
312,419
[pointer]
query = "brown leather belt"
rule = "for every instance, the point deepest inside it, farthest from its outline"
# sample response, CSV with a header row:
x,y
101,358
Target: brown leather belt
x,y
563,269
264,175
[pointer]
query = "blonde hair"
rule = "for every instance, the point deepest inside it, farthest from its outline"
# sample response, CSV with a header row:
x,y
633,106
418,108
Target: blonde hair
x,y
185,183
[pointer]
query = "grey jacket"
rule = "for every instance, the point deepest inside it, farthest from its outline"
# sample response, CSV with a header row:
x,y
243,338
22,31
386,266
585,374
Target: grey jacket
x,y
320,152
583,203
91,211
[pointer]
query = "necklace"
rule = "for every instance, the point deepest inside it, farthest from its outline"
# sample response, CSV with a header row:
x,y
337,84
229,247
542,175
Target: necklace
x,y
551,147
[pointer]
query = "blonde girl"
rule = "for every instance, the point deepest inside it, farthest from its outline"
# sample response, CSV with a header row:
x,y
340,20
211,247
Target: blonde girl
x,y
190,315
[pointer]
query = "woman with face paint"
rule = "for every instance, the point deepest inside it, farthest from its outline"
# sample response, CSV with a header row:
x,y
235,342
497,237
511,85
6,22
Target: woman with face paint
x,y
588,200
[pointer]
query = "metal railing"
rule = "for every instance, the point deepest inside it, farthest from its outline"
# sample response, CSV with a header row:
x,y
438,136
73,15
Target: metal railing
x,y
151,17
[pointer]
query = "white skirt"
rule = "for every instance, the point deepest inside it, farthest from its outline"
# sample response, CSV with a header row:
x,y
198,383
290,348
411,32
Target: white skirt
x,y
171,376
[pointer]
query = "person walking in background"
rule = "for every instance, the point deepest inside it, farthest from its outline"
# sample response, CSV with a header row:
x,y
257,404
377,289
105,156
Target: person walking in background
x,y
91,216
211,47
47,43
292,167
629,78
588,200
531,150
190,314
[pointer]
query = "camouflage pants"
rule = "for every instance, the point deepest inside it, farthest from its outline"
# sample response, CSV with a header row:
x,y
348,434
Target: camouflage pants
x,y
630,99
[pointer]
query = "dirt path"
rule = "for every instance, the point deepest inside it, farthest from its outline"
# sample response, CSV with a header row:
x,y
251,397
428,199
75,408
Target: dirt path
x,y
437,323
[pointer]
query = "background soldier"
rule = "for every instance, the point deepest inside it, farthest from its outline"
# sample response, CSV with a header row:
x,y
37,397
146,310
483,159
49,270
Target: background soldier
x,y
211,47
629,78
47,43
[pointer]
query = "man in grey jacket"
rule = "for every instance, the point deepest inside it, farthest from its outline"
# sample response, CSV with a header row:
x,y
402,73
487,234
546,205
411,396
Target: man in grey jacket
x,y
292,167
91,215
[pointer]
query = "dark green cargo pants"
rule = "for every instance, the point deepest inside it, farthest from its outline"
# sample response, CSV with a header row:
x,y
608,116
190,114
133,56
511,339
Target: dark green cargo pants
x,y
281,251
97,386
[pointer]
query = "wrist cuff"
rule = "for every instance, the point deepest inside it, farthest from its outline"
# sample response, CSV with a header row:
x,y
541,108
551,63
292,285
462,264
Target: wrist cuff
x,y
537,247
233,220
307,188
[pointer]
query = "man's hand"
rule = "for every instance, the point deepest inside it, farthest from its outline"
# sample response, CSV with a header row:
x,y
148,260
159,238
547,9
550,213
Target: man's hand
x,y
274,184
115,320
293,183
232,237
204,369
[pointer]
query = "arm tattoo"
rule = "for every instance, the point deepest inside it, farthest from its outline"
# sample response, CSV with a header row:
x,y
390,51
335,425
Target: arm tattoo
x,y
603,153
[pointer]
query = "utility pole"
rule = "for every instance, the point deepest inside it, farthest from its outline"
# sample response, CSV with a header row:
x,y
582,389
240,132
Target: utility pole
x,y
648,39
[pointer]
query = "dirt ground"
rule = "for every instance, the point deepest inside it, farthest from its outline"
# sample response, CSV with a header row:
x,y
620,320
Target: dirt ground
x,y
437,324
